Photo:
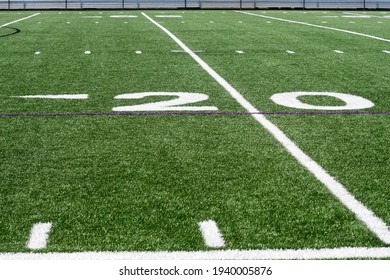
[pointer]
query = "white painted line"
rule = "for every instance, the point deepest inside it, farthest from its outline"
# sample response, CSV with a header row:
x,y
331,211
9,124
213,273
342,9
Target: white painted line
x,y
304,254
138,52
386,51
38,236
290,52
37,52
318,26
375,224
87,52
91,16
356,16
123,16
181,51
51,96
168,16
15,21
338,51
211,235
240,52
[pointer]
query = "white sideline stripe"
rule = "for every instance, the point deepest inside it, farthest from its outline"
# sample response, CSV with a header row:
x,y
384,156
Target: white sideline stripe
x,y
38,236
241,52
168,16
91,16
356,16
305,254
211,235
386,51
290,52
375,224
15,21
123,16
60,96
338,51
319,26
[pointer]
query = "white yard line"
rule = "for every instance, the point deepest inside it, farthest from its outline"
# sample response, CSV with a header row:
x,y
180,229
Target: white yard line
x,y
305,254
375,224
15,21
38,236
318,26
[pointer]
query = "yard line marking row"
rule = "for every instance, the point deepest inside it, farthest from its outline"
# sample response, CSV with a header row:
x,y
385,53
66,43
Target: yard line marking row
x,y
375,224
315,25
211,235
38,236
204,113
365,15
15,21
304,254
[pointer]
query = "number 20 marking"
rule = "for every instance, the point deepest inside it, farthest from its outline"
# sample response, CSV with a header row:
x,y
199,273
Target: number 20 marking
x,y
183,98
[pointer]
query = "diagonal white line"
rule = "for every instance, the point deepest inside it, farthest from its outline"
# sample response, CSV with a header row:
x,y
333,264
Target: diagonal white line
x,y
304,254
316,25
15,21
375,224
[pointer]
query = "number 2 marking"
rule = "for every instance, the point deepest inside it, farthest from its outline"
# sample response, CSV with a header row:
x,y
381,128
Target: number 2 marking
x,y
183,98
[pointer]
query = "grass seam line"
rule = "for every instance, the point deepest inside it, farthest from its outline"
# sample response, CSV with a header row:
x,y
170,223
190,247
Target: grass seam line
x,y
199,113
374,223
316,25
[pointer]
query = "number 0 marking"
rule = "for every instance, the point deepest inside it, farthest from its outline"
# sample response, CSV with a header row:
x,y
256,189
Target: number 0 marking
x,y
169,105
352,102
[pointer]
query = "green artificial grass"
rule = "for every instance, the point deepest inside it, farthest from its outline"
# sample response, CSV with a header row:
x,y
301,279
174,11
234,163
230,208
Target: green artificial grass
x,y
144,182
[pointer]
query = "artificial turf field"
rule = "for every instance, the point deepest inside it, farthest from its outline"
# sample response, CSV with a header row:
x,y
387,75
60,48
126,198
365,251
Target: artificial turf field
x,y
94,173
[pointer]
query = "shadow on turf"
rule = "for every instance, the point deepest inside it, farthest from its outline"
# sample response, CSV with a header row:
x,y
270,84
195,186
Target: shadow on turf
x,y
13,31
